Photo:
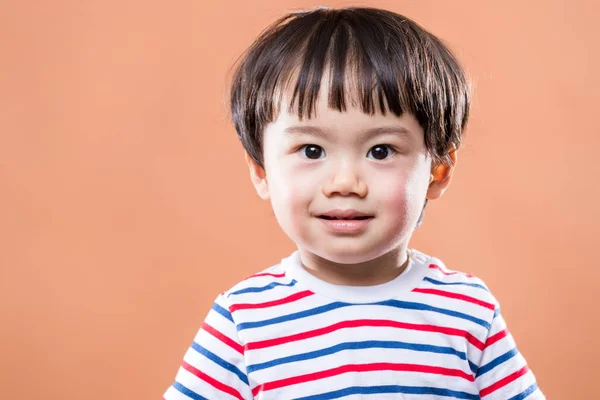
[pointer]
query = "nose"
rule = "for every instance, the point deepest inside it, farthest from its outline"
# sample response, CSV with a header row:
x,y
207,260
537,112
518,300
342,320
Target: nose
x,y
345,182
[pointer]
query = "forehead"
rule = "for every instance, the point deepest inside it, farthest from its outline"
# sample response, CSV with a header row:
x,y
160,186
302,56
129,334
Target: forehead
x,y
353,118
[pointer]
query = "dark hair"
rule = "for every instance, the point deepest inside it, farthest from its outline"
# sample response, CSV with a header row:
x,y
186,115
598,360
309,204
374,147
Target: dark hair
x,y
396,66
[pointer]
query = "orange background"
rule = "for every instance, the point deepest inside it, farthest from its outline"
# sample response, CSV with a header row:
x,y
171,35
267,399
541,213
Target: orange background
x,y
125,205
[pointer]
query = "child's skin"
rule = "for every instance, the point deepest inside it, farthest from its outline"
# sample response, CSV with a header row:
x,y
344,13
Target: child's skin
x,y
376,165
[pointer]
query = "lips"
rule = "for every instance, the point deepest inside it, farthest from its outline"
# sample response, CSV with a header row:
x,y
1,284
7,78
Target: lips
x,y
346,222
345,215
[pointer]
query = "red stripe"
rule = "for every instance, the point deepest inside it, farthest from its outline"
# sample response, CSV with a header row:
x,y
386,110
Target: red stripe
x,y
289,299
211,381
433,266
268,274
360,323
361,368
504,381
493,339
231,343
457,296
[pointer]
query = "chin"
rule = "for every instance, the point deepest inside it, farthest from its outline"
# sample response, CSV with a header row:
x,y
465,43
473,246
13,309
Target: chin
x,y
345,255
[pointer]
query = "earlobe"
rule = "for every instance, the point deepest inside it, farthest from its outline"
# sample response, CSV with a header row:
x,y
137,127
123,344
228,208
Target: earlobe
x,y
441,175
258,176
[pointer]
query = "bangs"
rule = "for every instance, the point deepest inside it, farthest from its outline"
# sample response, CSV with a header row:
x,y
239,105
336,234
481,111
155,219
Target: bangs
x,y
343,49
378,60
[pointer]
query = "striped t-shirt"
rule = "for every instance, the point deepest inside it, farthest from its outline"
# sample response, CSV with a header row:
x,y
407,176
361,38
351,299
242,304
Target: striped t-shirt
x,y
282,334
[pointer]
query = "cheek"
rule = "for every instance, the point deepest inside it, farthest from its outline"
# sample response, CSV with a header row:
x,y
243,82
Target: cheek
x,y
395,203
403,200
292,193
292,189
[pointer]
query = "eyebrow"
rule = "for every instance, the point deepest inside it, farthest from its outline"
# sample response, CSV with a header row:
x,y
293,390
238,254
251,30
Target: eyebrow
x,y
367,135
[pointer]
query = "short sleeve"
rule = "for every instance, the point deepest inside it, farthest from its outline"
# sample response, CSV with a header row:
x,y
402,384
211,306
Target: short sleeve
x,y
503,373
213,367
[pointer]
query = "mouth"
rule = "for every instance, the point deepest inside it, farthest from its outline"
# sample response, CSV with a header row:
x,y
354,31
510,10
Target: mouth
x,y
346,222
327,217
345,215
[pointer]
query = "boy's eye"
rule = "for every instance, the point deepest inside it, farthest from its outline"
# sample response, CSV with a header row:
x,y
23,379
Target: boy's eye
x,y
380,152
312,151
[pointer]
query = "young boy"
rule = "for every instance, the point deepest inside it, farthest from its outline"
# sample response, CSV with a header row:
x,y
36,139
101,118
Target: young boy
x,y
351,120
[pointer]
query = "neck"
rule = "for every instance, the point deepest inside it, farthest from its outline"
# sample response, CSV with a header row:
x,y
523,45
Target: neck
x,y
369,273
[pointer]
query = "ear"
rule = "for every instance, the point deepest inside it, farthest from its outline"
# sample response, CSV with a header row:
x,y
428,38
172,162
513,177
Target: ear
x,y
258,176
441,175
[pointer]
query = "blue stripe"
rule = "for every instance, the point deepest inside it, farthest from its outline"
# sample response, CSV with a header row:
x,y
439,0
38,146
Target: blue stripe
x,y
336,394
222,311
525,393
497,361
370,344
218,360
336,305
188,392
436,282
473,367
425,307
263,288
290,317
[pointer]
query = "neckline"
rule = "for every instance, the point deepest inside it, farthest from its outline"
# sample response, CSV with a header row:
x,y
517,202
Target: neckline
x,y
413,274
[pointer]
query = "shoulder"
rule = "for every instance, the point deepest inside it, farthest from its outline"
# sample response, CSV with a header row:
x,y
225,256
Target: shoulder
x,y
440,277
257,284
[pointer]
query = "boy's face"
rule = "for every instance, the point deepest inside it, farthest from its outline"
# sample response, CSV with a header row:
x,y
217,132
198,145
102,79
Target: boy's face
x,y
346,186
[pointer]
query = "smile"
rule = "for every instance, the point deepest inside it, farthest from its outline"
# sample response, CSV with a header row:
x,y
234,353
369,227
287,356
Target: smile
x,y
345,221
348,214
